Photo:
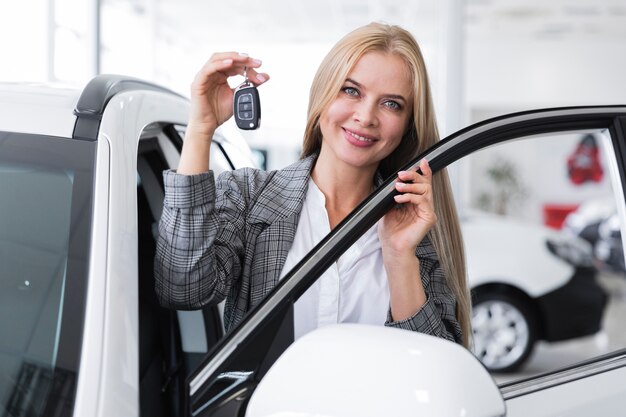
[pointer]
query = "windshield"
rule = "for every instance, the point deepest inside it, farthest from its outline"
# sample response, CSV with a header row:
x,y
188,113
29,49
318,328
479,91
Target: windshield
x,y
45,184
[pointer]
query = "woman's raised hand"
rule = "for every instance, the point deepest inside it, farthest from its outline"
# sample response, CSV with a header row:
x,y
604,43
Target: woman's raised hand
x,y
212,97
212,105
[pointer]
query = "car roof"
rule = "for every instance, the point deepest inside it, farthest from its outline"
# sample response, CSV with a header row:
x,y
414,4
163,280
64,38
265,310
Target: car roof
x,y
38,108
59,110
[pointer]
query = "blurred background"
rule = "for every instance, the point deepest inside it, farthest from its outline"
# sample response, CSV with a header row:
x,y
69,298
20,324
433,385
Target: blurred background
x,y
485,58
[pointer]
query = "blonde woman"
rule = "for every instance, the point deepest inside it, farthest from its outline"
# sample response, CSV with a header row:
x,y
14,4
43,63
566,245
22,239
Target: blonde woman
x,y
370,111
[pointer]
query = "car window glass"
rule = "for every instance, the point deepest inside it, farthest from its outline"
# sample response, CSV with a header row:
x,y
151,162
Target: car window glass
x,y
33,255
44,221
544,252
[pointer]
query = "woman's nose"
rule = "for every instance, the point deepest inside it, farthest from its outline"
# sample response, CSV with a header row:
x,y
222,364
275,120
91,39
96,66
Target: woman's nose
x,y
365,114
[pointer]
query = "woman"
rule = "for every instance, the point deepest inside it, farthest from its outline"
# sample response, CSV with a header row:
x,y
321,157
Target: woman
x,y
370,111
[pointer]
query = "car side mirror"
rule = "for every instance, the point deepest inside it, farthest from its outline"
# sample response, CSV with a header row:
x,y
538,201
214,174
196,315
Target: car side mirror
x,y
361,370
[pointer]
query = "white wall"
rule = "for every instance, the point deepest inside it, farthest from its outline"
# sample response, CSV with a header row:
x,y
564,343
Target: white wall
x,y
506,75
522,73
542,170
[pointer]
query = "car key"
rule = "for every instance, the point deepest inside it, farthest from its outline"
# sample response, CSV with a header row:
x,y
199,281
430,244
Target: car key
x,y
246,105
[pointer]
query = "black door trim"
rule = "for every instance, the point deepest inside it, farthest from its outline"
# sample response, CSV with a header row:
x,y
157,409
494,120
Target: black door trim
x,y
97,94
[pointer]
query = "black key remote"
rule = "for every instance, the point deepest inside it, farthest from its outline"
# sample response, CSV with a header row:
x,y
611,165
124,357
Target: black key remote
x,y
247,106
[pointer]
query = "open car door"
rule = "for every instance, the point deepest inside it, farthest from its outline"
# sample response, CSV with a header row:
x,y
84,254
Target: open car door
x,y
224,383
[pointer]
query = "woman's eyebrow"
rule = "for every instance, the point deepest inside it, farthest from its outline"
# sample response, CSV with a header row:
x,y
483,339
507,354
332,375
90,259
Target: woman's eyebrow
x,y
393,96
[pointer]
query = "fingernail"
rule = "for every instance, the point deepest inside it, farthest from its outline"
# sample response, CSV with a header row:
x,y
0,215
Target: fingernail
x,y
257,61
227,61
261,78
243,54
400,184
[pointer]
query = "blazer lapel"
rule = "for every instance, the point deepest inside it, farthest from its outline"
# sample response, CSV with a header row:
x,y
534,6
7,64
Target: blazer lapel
x,y
283,194
275,215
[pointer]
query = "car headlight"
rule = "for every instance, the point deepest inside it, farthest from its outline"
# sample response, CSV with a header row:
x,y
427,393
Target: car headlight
x,y
575,251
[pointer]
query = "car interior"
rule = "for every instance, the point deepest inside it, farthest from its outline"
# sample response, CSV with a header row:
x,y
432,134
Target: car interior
x,y
171,344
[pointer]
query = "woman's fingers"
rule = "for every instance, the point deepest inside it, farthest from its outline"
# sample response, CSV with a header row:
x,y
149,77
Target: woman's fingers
x,y
423,189
416,199
239,62
228,64
414,182
211,93
422,204
414,176
257,78
425,168
235,60
416,188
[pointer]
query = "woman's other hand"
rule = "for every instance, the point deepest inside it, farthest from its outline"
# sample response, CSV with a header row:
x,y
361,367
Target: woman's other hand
x,y
400,231
404,227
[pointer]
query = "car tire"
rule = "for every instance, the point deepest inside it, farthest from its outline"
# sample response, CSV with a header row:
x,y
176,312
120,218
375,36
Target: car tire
x,y
505,330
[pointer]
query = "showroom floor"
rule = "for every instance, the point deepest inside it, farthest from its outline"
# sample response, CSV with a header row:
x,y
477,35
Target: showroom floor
x,y
549,356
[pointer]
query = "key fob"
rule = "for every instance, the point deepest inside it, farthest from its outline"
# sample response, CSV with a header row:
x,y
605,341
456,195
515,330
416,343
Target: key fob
x,y
247,106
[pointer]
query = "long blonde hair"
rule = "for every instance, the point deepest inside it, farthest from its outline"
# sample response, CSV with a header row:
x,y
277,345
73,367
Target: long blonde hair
x,y
421,134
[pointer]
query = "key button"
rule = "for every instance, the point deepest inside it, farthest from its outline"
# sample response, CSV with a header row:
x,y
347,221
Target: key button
x,y
245,98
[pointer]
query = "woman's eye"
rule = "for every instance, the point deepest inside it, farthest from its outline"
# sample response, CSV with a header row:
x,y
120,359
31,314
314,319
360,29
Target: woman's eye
x,y
351,91
393,105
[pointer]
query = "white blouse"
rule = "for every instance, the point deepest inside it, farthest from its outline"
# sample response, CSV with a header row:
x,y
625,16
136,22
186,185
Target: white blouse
x,y
353,290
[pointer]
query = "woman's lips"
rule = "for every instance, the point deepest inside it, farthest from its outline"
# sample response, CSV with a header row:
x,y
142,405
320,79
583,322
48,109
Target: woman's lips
x,y
357,139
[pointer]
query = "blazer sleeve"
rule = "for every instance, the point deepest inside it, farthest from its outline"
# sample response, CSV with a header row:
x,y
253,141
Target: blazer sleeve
x,y
201,241
437,317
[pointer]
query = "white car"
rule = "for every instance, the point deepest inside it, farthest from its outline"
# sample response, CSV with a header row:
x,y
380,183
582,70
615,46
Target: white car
x,y
81,333
517,302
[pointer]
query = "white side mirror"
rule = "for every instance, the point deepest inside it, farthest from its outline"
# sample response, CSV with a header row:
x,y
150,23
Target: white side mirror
x,y
373,371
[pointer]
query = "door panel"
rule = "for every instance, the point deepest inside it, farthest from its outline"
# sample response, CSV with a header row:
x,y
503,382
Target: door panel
x,y
601,394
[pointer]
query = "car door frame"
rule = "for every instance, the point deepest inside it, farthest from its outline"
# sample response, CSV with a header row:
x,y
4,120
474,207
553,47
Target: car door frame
x,y
267,326
115,111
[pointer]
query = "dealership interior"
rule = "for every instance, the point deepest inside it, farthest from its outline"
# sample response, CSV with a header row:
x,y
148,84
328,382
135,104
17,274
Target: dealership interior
x,y
553,206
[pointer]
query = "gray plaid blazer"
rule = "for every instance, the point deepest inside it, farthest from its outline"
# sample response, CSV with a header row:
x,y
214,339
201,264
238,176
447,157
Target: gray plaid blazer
x,y
230,241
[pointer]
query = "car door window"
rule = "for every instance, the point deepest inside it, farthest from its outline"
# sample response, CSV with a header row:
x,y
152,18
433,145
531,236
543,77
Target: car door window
x,y
544,253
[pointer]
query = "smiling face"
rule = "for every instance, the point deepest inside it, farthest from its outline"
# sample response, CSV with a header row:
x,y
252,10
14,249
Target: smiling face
x,y
369,116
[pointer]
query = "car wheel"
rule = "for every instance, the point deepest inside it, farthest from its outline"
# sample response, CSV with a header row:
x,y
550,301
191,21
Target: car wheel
x,y
504,330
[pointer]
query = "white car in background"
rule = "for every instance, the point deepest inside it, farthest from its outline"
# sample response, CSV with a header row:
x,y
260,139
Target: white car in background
x,y
528,283
81,333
